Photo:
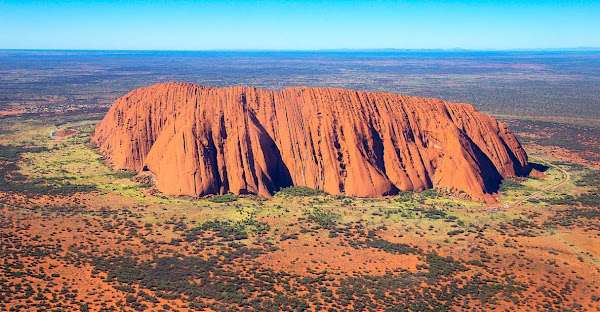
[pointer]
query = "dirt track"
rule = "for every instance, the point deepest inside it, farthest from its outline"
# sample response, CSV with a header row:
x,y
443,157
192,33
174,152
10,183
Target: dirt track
x,y
566,177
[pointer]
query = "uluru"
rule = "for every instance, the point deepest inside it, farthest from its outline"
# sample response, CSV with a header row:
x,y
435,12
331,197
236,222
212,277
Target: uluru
x,y
199,140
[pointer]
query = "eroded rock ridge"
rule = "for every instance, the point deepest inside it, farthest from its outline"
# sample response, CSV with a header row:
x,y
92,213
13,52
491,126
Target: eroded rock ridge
x,y
200,140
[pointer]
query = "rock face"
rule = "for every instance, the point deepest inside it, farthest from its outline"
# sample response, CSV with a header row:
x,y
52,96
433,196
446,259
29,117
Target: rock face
x,y
200,140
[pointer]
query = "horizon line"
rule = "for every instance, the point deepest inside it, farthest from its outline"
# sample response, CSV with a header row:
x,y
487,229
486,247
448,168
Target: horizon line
x,y
567,49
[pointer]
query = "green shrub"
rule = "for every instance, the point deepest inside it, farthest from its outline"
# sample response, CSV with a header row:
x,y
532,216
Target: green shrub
x,y
300,191
507,185
226,198
404,196
591,178
394,248
225,229
124,174
324,218
442,266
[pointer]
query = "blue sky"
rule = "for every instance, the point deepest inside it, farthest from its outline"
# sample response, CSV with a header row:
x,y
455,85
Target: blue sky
x,y
304,25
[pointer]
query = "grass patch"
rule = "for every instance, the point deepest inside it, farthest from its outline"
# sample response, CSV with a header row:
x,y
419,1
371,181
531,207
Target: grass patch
x,y
11,180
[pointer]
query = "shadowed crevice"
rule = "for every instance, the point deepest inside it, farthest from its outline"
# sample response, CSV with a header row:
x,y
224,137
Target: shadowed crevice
x,y
278,172
489,173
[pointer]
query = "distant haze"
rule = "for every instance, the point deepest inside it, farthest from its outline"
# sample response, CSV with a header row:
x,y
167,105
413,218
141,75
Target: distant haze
x,y
298,25
519,82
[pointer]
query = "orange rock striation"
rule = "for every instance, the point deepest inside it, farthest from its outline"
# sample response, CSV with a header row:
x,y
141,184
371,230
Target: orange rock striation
x,y
200,140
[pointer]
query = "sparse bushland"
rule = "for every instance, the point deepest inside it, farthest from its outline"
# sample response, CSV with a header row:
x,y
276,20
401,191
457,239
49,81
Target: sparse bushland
x,y
591,199
257,254
509,185
323,218
589,179
11,180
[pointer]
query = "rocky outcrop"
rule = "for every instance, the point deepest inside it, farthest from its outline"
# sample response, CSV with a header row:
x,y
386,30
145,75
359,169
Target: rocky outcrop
x,y
200,140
